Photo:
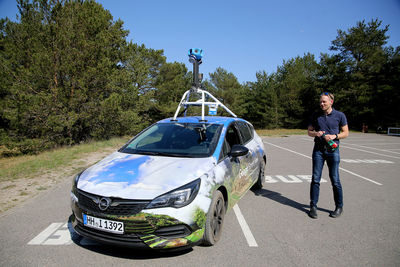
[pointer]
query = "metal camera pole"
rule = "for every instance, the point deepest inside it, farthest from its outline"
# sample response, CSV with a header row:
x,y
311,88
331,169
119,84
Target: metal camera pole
x,y
195,55
195,59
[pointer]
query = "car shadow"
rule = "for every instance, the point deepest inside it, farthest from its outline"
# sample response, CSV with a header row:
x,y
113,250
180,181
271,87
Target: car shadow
x,y
121,252
278,197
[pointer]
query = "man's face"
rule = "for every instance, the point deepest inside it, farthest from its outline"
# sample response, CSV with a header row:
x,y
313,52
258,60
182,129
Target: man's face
x,y
325,102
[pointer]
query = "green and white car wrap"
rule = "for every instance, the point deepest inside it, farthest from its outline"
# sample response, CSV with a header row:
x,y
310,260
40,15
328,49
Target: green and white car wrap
x,y
177,191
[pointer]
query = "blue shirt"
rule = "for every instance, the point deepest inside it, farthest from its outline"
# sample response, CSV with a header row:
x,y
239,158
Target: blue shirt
x,y
330,123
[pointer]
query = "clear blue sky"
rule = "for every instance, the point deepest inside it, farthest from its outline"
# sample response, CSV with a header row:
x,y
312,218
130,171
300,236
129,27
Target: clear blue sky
x,y
243,37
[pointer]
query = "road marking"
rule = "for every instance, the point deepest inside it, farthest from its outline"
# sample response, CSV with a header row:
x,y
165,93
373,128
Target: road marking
x,y
346,145
382,143
290,179
60,237
379,149
362,177
57,234
367,161
357,175
245,228
54,234
288,150
362,150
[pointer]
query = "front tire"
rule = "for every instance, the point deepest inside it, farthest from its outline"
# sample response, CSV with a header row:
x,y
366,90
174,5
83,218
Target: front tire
x,y
215,220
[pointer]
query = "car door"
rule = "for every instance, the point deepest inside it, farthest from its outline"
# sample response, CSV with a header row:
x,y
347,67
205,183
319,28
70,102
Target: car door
x,y
252,159
237,179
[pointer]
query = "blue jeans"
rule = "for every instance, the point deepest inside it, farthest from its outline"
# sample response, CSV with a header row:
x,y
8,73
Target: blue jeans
x,y
332,159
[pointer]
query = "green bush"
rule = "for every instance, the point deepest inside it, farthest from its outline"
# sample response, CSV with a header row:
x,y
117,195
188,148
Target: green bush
x,y
26,146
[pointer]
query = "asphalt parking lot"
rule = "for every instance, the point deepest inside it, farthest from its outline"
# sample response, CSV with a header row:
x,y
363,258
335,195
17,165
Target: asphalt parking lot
x,y
269,227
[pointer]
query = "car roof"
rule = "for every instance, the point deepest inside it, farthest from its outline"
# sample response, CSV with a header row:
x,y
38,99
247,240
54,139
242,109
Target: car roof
x,y
208,119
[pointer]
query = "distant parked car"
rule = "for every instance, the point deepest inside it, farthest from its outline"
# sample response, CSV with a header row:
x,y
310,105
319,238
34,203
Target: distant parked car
x,y
171,185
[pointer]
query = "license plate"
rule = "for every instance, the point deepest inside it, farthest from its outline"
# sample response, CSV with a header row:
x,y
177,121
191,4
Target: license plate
x,y
103,224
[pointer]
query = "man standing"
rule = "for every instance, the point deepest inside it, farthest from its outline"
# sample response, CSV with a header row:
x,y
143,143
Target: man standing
x,y
326,125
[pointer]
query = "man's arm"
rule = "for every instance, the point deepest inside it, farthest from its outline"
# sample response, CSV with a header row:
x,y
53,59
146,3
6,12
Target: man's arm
x,y
313,133
344,133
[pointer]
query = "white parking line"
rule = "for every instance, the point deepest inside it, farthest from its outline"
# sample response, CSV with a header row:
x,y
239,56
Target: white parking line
x,y
45,234
288,150
379,149
57,234
357,175
245,228
373,161
346,145
362,150
289,179
362,177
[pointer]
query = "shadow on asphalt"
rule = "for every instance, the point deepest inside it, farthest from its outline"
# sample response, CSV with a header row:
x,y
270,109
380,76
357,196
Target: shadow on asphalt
x,y
121,252
278,197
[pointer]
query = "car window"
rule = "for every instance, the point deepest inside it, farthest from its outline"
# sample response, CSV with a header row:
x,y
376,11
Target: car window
x,y
225,150
244,131
232,136
251,128
176,139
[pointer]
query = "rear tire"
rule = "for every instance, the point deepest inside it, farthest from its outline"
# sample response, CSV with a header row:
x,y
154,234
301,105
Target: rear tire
x,y
261,177
215,220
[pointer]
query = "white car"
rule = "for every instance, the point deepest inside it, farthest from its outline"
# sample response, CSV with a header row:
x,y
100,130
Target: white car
x,y
171,185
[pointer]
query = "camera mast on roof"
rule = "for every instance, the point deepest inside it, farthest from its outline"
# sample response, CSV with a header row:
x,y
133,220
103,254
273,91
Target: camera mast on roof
x,y
195,56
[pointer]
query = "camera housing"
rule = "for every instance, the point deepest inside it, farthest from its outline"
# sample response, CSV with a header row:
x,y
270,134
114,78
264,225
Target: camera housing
x,y
195,53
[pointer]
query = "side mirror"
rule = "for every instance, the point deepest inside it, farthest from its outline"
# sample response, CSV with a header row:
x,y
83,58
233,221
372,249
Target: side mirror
x,y
238,151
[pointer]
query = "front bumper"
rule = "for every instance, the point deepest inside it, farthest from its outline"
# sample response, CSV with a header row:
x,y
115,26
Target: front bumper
x,y
141,230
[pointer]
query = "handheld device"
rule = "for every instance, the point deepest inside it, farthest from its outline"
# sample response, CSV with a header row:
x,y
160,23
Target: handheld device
x,y
331,143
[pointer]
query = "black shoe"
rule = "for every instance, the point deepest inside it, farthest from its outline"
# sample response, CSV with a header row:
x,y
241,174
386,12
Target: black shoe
x,y
336,213
313,212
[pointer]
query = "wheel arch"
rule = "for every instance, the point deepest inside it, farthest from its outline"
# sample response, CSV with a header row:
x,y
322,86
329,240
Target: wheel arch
x,y
224,192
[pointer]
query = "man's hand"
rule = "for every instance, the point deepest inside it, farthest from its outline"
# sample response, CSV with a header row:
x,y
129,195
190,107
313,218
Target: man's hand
x,y
313,133
329,137
320,133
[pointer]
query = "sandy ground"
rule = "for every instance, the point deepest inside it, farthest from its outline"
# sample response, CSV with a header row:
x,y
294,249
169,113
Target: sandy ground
x,y
15,192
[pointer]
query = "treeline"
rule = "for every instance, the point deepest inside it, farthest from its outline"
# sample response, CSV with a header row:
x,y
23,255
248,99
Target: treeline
x,y
68,75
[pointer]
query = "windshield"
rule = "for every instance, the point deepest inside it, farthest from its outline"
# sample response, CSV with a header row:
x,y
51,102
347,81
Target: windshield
x,y
176,140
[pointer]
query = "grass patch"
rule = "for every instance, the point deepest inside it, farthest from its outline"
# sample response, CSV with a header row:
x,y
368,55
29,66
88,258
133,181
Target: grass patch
x,y
40,188
27,166
281,132
8,187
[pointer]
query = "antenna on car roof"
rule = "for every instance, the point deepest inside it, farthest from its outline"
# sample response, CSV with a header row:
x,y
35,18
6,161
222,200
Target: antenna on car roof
x,y
195,56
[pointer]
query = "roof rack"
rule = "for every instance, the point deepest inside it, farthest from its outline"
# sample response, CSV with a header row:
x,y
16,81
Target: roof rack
x,y
195,55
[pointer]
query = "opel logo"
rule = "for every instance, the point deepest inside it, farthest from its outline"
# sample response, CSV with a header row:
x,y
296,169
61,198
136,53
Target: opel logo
x,y
104,203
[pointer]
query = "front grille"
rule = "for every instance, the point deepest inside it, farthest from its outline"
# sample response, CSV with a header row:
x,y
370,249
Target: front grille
x,y
125,239
118,206
174,231
130,236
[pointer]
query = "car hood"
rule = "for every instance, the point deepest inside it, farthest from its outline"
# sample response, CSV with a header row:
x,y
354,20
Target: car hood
x,y
132,176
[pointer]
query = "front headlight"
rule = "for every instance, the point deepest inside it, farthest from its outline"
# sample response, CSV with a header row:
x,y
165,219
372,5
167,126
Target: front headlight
x,y
74,188
75,180
177,198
